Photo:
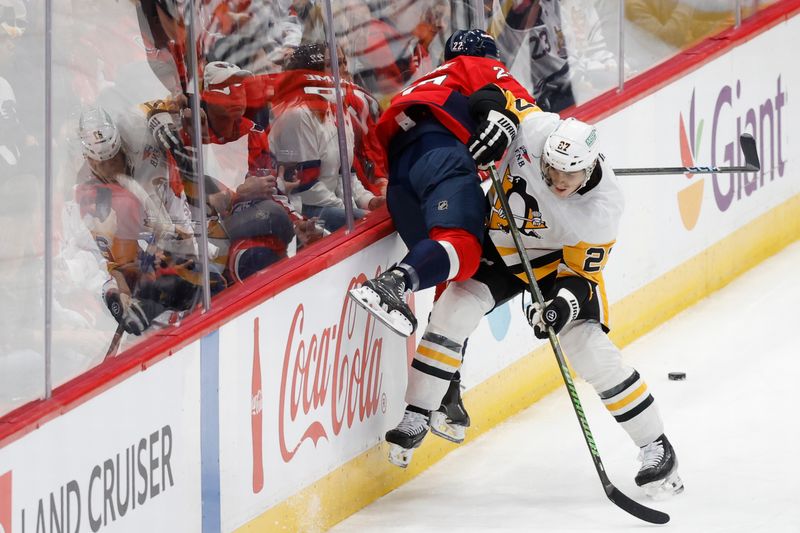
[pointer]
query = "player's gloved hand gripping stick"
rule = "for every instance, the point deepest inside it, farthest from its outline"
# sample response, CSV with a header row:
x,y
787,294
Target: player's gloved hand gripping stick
x,y
614,494
556,314
493,137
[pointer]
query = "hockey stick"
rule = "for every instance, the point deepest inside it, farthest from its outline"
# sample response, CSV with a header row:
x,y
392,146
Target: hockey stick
x,y
614,494
114,346
751,164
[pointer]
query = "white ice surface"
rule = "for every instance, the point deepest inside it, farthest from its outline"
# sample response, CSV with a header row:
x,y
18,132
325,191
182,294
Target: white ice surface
x,y
733,423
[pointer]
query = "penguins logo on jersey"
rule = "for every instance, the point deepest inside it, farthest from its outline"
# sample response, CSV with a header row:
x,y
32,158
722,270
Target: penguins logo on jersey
x,y
515,189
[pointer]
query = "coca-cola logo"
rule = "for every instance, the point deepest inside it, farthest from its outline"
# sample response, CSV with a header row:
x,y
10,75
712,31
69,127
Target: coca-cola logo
x,y
331,378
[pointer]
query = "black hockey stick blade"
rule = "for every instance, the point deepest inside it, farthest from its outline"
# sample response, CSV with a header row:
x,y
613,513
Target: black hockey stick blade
x,y
747,143
633,507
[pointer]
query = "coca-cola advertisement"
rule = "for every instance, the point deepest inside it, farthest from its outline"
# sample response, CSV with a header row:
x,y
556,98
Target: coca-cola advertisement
x,y
316,381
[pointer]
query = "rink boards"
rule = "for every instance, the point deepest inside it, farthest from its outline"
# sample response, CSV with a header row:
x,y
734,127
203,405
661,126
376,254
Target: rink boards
x,y
273,420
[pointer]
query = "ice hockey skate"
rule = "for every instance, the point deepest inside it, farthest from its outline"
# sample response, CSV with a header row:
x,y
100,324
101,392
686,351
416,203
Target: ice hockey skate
x,y
406,437
451,420
384,298
658,475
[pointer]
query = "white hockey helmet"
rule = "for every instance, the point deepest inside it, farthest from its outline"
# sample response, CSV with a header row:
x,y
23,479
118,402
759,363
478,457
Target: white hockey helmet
x,y
99,135
571,147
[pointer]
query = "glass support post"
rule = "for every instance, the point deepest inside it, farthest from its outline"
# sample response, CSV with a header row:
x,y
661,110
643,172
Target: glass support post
x,y
347,189
197,141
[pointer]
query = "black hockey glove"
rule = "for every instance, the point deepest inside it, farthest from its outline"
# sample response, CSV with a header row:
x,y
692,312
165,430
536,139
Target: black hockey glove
x,y
133,315
136,320
492,137
557,313
165,132
114,303
140,315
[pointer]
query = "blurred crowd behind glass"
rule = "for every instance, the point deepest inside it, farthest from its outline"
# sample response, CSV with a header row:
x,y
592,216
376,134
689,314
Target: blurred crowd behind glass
x,y
156,153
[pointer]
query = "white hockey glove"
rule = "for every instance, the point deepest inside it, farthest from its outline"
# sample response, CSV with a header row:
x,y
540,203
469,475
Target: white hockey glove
x,y
492,137
557,313
165,132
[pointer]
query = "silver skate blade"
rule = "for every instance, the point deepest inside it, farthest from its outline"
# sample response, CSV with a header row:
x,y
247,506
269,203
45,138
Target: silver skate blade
x,y
370,302
662,489
400,456
448,431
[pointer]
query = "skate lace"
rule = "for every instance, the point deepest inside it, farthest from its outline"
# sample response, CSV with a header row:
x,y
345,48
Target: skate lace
x,y
412,423
400,291
395,283
652,454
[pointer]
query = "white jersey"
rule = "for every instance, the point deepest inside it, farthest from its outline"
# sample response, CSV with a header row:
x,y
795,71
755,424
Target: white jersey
x,y
566,236
167,213
298,135
532,44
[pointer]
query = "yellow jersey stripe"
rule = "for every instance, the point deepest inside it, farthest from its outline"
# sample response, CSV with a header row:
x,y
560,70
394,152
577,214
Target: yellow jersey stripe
x,y
506,251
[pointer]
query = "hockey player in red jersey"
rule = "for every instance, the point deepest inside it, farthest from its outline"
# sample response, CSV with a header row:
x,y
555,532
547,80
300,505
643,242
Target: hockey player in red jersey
x,y
437,132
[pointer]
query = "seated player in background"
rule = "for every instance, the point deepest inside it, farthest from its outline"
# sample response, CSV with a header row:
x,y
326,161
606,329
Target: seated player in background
x,y
436,132
250,220
305,140
546,67
567,203
146,282
256,216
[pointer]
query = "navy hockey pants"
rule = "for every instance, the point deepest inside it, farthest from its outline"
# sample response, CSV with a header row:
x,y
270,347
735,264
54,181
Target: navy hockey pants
x,y
433,182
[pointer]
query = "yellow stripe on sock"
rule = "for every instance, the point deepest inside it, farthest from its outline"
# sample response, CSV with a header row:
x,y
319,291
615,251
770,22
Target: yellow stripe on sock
x,y
438,356
627,399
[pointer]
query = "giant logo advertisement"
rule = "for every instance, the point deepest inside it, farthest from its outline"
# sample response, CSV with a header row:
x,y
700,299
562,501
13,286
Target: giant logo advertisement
x,y
736,109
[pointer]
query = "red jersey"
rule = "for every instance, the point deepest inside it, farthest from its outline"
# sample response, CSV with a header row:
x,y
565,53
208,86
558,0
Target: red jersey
x,y
445,91
258,155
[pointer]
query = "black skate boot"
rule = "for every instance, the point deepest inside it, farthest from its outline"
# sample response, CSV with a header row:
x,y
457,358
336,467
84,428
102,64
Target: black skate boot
x,y
406,437
658,475
451,420
384,298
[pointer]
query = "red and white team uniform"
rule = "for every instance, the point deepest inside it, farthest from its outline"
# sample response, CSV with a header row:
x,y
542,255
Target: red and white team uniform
x,y
305,136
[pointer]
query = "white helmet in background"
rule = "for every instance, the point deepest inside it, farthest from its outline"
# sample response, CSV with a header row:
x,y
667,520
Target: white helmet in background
x,y
571,147
99,135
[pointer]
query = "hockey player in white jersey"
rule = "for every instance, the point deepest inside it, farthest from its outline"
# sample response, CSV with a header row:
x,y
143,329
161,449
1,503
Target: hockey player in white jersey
x,y
125,198
567,203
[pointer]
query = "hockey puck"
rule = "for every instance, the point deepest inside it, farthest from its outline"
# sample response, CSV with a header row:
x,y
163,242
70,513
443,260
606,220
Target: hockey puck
x,y
676,376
